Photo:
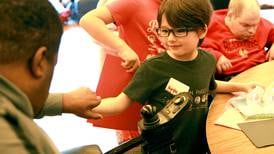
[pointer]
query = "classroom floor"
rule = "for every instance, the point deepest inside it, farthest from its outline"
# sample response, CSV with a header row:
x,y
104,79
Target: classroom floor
x,y
79,64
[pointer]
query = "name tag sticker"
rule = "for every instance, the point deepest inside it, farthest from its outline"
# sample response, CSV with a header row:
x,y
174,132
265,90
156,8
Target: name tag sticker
x,y
175,87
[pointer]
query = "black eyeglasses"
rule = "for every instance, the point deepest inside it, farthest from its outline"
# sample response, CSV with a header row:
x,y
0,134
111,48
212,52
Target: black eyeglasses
x,y
178,32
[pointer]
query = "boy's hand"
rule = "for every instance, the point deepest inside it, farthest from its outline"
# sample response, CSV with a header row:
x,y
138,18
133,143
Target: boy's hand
x,y
248,87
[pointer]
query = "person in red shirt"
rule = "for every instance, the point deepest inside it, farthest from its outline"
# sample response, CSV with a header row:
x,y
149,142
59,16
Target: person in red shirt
x,y
239,38
137,41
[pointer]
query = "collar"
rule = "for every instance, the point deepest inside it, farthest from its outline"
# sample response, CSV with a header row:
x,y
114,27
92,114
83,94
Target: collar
x,y
16,96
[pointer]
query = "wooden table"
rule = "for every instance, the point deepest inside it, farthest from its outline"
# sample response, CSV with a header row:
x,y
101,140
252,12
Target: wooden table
x,y
222,139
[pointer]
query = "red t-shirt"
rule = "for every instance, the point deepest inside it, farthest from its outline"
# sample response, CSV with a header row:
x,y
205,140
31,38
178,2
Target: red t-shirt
x,y
136,23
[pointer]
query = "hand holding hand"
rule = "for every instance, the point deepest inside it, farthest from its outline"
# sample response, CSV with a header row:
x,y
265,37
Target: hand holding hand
x,y
81,102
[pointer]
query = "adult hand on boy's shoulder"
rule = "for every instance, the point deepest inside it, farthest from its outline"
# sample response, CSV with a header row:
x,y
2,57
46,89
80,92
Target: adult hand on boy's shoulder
x,y
223,64
81,102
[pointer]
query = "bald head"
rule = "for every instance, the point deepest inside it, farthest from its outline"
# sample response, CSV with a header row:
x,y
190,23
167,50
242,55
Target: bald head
x,y
242,18
238,7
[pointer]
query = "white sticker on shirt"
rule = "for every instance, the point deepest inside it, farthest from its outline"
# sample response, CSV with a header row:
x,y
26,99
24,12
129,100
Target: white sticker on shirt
x,y
175,87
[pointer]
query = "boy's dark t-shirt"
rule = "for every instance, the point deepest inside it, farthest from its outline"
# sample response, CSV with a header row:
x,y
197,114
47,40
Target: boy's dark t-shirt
x,y
149,86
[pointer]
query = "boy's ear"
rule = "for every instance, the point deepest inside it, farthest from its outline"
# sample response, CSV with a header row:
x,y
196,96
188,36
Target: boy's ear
x,y
202,32
38,63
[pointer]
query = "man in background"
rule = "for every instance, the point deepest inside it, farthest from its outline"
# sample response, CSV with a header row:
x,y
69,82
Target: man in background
x,y
239,38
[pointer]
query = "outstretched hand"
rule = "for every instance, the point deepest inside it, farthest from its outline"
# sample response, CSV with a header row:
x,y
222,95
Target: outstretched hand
x,y
248,87
81,102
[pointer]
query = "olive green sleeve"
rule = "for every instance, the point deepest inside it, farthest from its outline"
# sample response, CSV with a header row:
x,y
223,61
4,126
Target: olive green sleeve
x,y
53,106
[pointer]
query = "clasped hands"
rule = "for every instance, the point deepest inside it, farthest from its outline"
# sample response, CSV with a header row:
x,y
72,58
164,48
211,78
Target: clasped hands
x,y
81,102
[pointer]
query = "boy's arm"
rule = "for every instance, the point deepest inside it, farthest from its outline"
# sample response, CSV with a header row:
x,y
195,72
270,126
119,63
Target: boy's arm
x,y
229,87
113,105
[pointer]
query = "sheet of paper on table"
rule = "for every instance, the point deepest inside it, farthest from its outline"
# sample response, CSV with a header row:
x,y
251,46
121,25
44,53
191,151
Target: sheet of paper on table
x,y
254,106
230,118
260,132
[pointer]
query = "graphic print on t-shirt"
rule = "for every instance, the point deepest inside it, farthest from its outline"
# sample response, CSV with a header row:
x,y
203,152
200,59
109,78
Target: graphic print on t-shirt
x,y
239,48
200,96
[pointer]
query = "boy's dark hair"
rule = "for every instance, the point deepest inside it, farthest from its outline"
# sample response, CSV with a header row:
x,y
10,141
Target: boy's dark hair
x,y
186,13
25,26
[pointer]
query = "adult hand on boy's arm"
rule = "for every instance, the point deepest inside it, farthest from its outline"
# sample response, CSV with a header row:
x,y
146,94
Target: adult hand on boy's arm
x,y
81,102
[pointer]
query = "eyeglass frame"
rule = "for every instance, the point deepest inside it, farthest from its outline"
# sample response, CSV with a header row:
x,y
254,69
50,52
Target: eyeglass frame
x,y
173,30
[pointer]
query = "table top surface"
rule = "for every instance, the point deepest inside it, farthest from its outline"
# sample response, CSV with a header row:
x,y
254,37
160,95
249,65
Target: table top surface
x,y
222,139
